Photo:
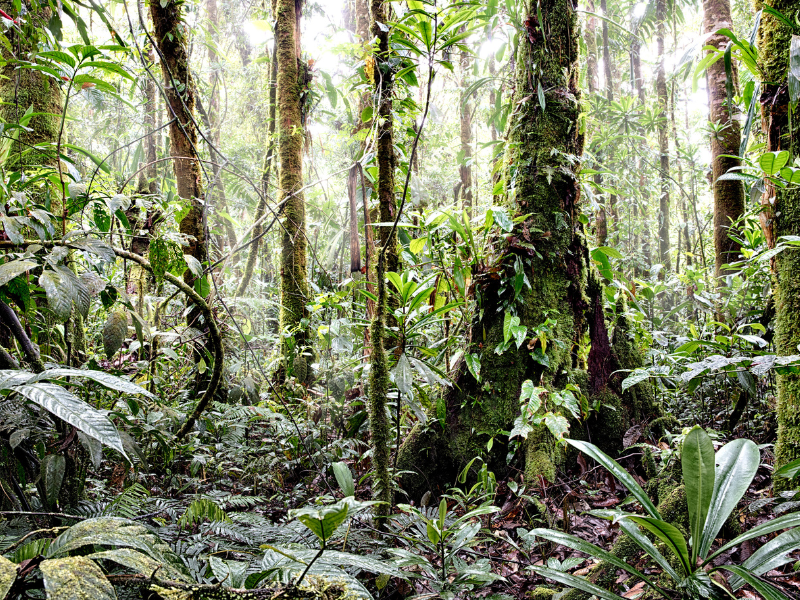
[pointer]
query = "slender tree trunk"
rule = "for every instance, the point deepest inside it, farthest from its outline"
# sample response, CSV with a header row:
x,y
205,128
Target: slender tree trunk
x,y
385,145
269,160
292,80
608,69
679,169
170,38
479,409
725,140
782,218
663,139
466,106
216,191
591,48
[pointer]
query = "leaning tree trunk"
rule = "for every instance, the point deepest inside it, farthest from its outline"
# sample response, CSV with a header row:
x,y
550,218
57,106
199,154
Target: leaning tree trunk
x,y
728,195
663,138
782,218
545,248
170,40
292,80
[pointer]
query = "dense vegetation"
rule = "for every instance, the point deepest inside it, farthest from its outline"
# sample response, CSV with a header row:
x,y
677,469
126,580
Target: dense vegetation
x,y
394,299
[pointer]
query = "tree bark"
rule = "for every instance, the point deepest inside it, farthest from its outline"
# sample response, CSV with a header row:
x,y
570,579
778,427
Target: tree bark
x,y
728,195
663,138
292,80
781,216
385,146
547,190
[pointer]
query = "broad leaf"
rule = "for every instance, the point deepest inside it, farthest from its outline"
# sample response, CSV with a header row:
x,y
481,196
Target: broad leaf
x,y
669,534
74,411
10,270
783,522
575,582
8,575
645,544
697,462
73,577
403,377
617,471
114,332
736,465
765,589
770,556
59,298
52,468
772,162
344,478
322,521
106,379
576,543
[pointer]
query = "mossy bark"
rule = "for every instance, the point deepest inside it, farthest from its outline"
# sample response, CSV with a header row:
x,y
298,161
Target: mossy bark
x,y
291,81
546,245
379,426
383,77
22,88
725,140
782,217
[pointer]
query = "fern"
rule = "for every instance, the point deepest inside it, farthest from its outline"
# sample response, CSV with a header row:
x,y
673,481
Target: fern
x,y
129,503
200,510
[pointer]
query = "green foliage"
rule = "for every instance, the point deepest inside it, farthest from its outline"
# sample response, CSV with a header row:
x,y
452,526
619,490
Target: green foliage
x,y
714,485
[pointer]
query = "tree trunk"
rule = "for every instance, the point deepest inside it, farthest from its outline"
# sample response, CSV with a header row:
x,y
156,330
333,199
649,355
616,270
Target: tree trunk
x,y
385,146
728,195
466,106
782,218
663,138
216,191
547,190
591,48
608,68
269,160
24,88
292,80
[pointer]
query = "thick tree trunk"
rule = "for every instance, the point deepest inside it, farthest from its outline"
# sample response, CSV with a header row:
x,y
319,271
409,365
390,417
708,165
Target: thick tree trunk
x,y
385,146
663,139
782,218
547,190
24,88
728,195
292,80
466,105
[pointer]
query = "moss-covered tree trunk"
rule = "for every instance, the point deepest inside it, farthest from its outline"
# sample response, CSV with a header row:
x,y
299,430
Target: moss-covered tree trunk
x,y
546,249
782,218
726,136
291,82
663,138
383,77
22,88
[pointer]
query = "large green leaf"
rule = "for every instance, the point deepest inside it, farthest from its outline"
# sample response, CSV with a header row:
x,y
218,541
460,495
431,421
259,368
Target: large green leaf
x,y
770,556
59,298
8,575
784,522
697,462
106,379
645,544
52,468
617,471
10,270
736,465
576,543
670,535
322,521
137,561
75,577
789,470
115,331
344,478
772,162
765,589
575,582
74,411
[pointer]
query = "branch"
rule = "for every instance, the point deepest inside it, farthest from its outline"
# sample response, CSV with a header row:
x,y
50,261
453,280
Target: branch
x,y
166,588
213,330
9,318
